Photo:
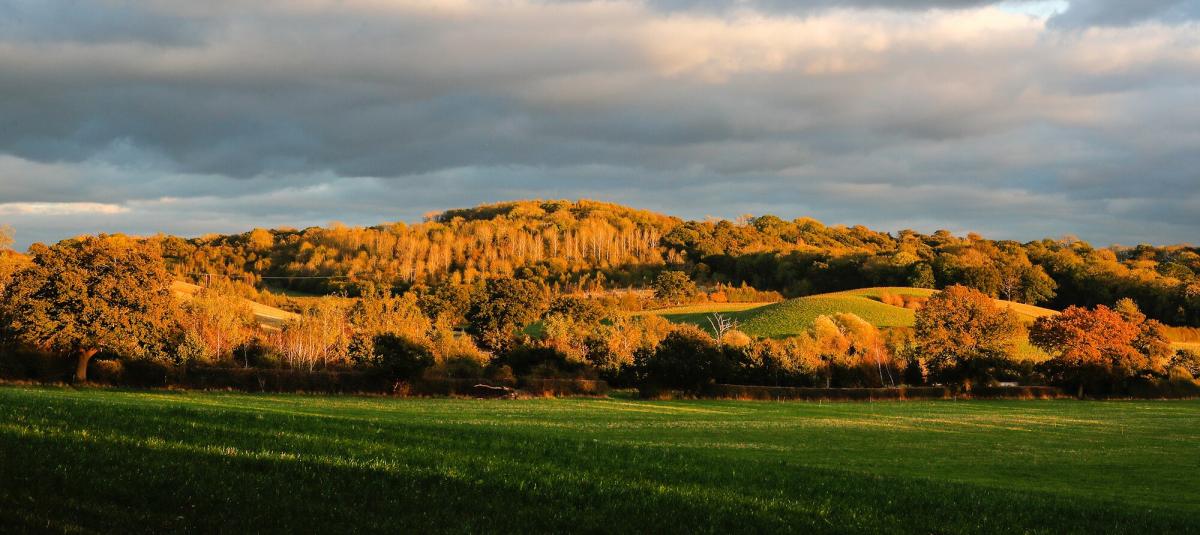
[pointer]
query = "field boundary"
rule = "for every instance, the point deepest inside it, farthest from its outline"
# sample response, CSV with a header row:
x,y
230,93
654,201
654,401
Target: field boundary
x,y
903,393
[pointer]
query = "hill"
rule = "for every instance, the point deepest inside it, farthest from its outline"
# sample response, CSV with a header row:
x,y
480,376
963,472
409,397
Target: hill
x,y
793,316
267,316
588,246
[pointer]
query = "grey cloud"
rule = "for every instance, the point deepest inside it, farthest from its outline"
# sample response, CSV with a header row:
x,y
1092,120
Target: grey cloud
x,y
254,114
1088,13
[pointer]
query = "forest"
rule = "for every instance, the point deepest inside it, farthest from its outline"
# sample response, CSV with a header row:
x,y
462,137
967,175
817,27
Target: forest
x,y
580,246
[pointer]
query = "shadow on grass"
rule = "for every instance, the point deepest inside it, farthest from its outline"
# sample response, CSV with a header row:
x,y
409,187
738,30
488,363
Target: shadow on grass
x,y
73,464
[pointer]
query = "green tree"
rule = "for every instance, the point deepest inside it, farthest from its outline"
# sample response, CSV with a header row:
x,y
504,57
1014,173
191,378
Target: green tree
x,y
687,359
506,307
964,336
93,294
399,357
673,286
921,276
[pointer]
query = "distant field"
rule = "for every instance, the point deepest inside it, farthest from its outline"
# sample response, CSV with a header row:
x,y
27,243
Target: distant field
x,y
267,316
96,460
794,316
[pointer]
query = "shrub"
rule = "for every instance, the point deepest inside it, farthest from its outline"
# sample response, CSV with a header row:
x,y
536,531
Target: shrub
x,y
687,359
1187,360
400,358
539,360
108,371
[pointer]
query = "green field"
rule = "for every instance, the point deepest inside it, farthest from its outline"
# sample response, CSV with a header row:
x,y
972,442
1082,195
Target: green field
x,y
85,460
794,316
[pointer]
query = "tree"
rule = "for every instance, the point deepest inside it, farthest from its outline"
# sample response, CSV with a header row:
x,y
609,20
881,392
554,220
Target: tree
x,y
687,359
1187,360
1098,348
585,311
964,336
321,335
93,294
921,276
507,306
400,358
218,321
6,238
378,312
721,325
673,286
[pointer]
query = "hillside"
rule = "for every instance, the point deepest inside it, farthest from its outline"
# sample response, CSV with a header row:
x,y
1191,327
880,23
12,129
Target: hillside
x,y
794,316
587,246
267,316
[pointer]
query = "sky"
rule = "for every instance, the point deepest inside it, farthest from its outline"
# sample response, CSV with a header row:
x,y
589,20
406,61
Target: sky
x,y
1017,120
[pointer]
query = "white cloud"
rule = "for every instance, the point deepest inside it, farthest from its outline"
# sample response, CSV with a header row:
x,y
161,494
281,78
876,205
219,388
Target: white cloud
x,y
59,208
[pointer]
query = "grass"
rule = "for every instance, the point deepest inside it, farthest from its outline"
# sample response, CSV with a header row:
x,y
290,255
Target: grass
x,y
794,316
109,460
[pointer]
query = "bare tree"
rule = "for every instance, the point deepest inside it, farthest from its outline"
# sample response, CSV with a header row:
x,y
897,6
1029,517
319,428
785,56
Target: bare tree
x,y
721,324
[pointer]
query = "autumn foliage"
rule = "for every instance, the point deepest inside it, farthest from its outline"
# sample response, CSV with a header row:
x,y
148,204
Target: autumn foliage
x,y
963,336
1100,347
93,294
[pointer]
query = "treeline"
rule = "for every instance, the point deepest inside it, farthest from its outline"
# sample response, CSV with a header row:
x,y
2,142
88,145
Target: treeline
x,y
588,246
109,298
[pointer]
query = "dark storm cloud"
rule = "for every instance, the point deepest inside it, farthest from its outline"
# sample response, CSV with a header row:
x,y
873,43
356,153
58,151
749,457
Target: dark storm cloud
x,y
220,116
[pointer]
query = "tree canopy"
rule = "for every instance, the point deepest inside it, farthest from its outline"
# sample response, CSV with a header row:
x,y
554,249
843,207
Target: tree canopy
x,y
93,294
964,336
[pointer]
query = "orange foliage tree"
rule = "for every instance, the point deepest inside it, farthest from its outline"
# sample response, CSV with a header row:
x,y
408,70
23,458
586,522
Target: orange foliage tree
x,y
964,337
1097,349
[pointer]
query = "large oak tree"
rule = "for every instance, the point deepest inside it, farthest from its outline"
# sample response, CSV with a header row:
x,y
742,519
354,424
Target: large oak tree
x,y
92,294
964,336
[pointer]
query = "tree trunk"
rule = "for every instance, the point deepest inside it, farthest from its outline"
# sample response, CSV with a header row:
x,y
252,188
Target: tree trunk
x,y
85,356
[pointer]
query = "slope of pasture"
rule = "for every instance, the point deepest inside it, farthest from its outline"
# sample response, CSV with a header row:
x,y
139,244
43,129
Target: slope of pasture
x,y
79,460
267,316
794,316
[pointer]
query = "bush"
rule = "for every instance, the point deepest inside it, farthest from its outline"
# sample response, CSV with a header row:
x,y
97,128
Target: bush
x,y
564,387
25,364
252,380
1187,360
687,359
543,361
146,373
107,371
399,358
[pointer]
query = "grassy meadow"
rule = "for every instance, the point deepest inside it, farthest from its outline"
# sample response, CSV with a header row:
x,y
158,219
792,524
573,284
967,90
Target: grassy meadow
x,y
794,316
83,460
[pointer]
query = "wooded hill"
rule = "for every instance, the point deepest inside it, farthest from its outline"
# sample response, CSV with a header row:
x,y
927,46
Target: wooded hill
x,y
588,245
